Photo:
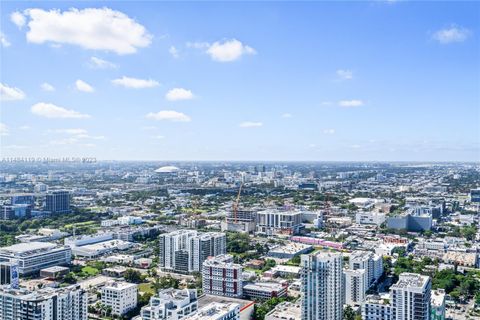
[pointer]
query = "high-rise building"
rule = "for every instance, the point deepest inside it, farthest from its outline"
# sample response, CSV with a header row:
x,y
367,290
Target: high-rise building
x,y
220,276
185,250
410,297
9,273
69,303
15,211
370,262
355,286
322,287
438,305
171,304
120,296
57,201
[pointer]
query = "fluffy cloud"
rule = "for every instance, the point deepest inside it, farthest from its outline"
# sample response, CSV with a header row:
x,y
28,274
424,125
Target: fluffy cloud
x,y
174,52
350,103
286,115
229,50
49,110
250,124
98,63
179,94
344,74
83,86
47,87
169,115
4,40
451,35
10,93
226,51
18,19
329,131
3,129
90,28
135,83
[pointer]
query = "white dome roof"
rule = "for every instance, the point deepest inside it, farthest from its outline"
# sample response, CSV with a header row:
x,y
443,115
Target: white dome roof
x,y
167,169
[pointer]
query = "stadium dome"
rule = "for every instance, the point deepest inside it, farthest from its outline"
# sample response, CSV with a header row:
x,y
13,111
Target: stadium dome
x,y
167,169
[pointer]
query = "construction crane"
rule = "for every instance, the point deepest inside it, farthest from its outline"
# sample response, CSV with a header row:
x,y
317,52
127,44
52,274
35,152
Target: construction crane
x,y
235,204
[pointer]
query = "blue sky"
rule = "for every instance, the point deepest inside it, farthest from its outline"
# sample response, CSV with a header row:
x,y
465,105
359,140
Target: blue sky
x,y
241,81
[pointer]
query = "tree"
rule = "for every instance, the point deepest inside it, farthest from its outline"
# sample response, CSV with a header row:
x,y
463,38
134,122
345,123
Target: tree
x,y
70,278
133,276
348,313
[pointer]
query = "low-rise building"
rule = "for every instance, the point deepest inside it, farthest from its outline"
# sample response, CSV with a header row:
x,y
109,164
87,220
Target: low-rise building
x,y
285,311
33,256
171,304
120,296
217,311
264,290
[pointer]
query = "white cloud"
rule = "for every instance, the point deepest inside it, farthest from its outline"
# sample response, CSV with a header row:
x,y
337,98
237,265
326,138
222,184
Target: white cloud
x,y
350,103
329,131
250,124
3,129
451,35
10,93
83,86
229,50
179,94
4,40
174,52
18,19
47,87
98,63
90,28
159,137
135,83
24,127
286,115
169,115
49,110
226,51
345,74
149,128
64,141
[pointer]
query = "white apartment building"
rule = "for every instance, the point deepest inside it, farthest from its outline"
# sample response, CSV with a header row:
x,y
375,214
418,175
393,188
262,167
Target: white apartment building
x,y
185,251
222,277
276,221
376,308
355,286
374,218
120,296
34,256
69,303
370,262
217,311
410,297
171,304
322,287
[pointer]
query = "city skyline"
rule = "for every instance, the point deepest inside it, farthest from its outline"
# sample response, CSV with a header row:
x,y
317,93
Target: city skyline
x,y
367,81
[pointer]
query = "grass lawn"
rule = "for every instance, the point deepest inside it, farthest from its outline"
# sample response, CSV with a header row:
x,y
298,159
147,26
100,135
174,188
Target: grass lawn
x,y
91,271
146,288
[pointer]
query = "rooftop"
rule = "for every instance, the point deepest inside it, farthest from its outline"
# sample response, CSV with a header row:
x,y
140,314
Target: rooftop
x,y
30,247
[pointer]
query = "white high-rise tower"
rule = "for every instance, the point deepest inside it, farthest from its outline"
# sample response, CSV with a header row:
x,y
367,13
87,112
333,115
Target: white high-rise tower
x,y
322,286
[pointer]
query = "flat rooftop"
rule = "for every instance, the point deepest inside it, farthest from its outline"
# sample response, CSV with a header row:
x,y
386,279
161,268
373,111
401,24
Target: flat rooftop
x,y
411,280
23,248
207,299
